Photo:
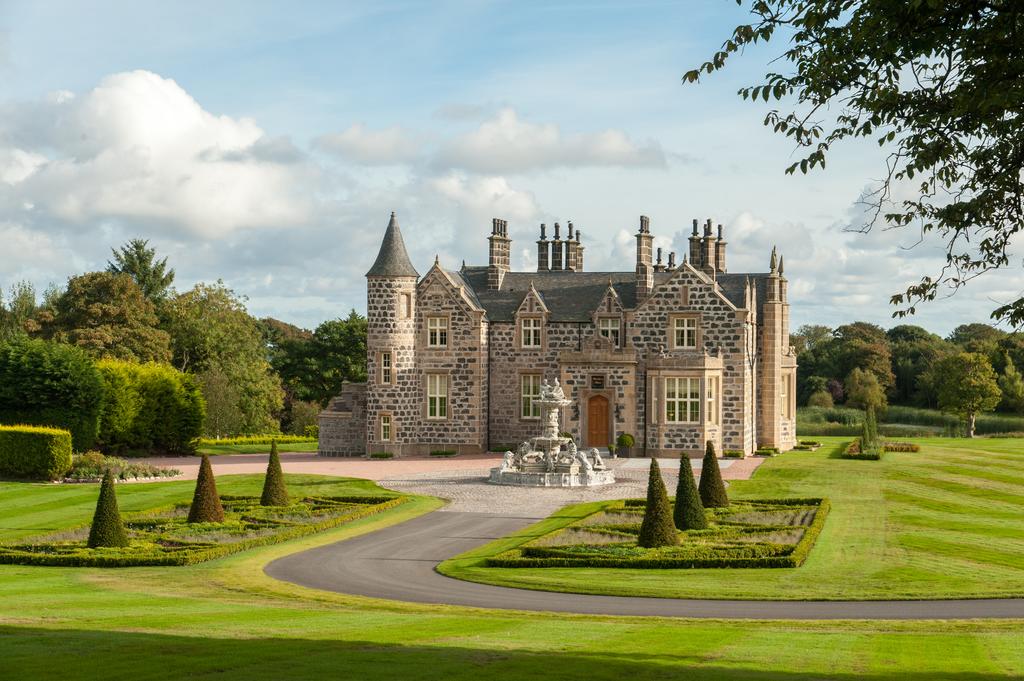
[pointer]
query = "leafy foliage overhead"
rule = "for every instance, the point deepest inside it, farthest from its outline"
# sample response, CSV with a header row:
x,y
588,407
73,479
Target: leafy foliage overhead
x,y
939,85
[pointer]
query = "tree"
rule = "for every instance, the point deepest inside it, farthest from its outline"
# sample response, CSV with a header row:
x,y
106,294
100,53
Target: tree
x,y
937,85
17,312
139,262
1012,386
211,333
869,441
107,528
657,528
864,346
863,391
914,351
821,398
314,368
712,488
107,316
274,491
206,506
688,513
809,337
967,386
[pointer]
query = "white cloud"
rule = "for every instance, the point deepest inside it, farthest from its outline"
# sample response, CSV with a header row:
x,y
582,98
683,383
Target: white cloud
x,y
508,144
387,146
139,147
485,197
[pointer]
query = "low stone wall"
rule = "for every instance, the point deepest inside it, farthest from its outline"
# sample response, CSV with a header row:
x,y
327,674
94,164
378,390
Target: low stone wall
x,y
343,423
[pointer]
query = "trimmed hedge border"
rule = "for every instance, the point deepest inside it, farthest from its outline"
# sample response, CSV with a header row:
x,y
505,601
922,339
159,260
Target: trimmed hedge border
x,y
444,453
853,451
516,558
374,505
902,447
254,440
34,452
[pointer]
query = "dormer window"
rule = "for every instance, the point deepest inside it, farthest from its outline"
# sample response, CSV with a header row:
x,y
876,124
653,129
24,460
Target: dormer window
x,y
610,328
684,333
437,332
531,332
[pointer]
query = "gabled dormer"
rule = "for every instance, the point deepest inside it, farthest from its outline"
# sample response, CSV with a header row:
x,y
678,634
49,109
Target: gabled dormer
x,y
531,321
609,320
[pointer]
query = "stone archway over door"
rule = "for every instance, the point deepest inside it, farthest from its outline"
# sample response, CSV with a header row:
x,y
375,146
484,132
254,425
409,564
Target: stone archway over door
x,y
598,431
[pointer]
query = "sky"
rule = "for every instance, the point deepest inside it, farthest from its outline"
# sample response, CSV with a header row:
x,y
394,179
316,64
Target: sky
x,y
266,144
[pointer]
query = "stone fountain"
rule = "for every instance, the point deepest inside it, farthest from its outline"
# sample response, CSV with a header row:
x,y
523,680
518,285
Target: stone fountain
x,y
551,460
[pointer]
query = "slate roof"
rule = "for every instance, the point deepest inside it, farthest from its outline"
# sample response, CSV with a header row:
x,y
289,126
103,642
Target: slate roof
x,y
393,259
573,296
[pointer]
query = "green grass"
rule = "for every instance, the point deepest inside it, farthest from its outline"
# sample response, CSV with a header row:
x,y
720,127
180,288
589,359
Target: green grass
x,y
226,619
944,522
214,450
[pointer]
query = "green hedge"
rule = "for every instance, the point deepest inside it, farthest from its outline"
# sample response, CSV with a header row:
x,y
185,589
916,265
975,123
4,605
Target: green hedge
x,y
853,451
543,557
53,385
149,407
15,555
255,440
34,452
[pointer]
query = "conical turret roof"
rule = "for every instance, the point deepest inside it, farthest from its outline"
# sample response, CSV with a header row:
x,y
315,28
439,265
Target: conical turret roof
x,y
393,259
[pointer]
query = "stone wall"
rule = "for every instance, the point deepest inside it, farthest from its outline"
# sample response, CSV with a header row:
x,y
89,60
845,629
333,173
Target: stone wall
x,y
343,423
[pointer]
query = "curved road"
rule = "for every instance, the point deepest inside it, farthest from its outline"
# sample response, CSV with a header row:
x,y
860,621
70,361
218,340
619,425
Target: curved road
x,y
397,563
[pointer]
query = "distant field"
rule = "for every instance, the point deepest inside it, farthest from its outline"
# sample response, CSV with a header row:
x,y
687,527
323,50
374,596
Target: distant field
x,y
899,421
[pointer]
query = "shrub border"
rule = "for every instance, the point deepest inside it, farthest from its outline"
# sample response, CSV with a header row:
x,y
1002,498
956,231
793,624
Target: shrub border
x,y
514,558
193,556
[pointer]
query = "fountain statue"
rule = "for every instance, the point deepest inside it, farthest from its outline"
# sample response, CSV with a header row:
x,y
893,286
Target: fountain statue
x,y
551,460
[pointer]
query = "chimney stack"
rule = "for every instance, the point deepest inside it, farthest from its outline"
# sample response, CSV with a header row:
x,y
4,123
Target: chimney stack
x,y
557,257
570,251
708,255
543,250
720,251
579,250
695,247
499,253
658,266
644,267
672,261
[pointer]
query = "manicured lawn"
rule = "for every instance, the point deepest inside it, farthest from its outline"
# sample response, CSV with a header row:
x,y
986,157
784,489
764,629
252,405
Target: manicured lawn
x,y
214,450
944,522
226,619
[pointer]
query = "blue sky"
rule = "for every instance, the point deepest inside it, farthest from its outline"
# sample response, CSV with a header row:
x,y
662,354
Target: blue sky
x,y
266,144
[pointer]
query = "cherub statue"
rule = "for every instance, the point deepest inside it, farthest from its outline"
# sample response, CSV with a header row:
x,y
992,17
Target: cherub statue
x,y
508,463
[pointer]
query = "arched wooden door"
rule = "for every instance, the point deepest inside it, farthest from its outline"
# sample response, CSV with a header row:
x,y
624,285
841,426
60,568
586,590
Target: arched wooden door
x,y
598,433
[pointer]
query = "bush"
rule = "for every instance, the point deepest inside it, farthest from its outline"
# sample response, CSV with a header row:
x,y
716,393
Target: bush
x,y
855,450
657,528
688,513
625,440
274,491
206,506
107,528
149,407
712,489
254,440
94,465
901,447
822,398
733,454
52,385
34,452
382,455
312,432
444,453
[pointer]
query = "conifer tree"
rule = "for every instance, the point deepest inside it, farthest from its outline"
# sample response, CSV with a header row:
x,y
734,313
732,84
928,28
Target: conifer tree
x,y
712,489
274,491
657,528
107,527
206,506
689,512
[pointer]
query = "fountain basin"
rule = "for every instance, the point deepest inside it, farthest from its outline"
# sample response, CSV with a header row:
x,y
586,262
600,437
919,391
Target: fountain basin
x,y
545,479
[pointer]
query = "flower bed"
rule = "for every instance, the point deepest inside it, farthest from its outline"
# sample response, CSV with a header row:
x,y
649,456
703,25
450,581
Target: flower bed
x,y
773,533
164,537
91,466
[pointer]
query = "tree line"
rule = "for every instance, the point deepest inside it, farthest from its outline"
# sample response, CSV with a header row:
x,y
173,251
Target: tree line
x,y
255,375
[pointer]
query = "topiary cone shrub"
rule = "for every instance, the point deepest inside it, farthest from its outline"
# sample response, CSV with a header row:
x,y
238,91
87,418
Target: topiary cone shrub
x,y
107,528
657,529
274,491
712,489
206,507
689,512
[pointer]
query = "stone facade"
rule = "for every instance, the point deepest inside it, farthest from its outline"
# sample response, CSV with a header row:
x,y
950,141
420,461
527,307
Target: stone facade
x,y
676,355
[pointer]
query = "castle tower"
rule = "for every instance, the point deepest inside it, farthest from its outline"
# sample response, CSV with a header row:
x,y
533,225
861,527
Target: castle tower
x,y
543,250
774,341
644,258
390,344
499,259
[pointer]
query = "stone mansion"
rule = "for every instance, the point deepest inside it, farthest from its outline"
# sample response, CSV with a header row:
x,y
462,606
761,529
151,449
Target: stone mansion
x,y
673,353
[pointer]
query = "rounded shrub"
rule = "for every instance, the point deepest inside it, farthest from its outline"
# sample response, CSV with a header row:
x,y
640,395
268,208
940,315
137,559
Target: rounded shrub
x,y
657,528
34,452
712,488
206,506
625,440
688,513
50,384
274,491
107,527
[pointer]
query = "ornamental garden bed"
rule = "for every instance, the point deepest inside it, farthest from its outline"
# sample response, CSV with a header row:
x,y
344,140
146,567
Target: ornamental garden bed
x,y
164,537
764,533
